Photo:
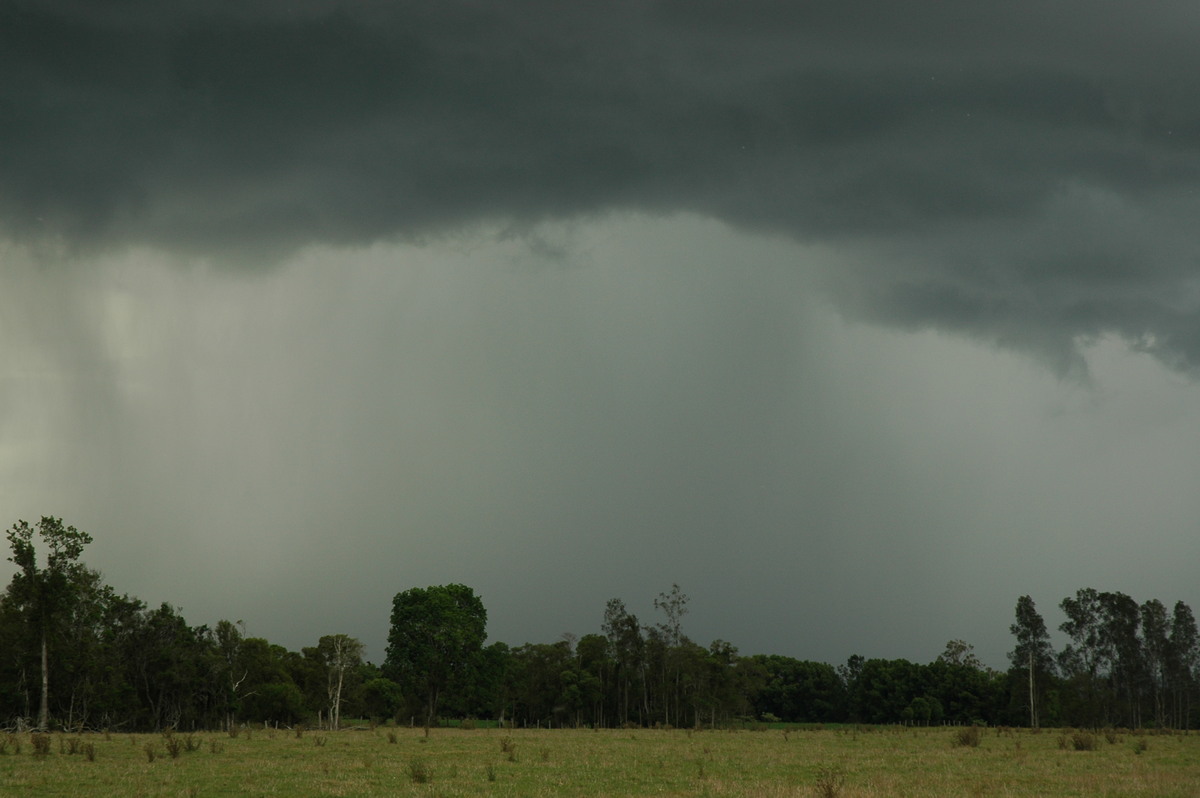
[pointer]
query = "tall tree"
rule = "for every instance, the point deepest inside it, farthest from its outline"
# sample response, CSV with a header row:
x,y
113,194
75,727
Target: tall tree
x,y
629,653
1033,658
1120,625
339,654
1183,654
960,653
46,593
435,636
1085,658
1156,629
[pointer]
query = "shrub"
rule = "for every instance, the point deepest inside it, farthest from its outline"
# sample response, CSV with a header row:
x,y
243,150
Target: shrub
x,y
173,745
967,736
1082,741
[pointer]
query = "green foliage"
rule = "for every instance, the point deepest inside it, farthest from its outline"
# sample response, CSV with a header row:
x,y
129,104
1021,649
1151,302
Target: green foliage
x,y
436,635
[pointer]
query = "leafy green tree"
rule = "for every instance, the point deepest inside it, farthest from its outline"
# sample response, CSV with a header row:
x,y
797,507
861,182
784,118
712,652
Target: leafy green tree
x,y
45,594
1033,658
381,698
960,653
1156,628
628,646
1120,636
1183,654
800,691
1085,660
436,635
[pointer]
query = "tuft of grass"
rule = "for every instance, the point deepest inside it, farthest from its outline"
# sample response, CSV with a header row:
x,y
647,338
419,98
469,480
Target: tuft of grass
x,y
391,737
40,743
829,782
173,744
490,772
967,737
150,751
1083,741
419,771
1141,746
319,741
89,752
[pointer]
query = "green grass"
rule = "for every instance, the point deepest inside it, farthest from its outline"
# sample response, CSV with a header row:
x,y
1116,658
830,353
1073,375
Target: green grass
x,y
847,762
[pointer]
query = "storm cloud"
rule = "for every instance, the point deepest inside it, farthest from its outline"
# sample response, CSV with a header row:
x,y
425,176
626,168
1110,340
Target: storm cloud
x,y
572,297
1022,173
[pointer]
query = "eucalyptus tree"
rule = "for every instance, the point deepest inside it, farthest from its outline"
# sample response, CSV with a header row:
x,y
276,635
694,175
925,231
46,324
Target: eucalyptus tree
x,y
1156,645
1086,658
1183,655
339,654
1033,657
628,646
45,594
1121,637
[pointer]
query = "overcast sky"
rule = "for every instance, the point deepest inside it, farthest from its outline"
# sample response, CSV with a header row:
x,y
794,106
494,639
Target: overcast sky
x,y
856,320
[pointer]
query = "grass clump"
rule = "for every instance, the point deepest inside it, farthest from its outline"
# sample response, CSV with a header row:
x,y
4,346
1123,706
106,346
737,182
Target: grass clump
x,y
829,783
1083,741
40,743
173,745
967,737
419,771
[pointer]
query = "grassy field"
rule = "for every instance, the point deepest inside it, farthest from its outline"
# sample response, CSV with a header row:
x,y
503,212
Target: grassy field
x,y
451,762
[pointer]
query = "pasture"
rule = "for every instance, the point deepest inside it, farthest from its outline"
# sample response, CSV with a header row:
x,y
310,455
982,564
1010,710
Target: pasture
x,y
849,762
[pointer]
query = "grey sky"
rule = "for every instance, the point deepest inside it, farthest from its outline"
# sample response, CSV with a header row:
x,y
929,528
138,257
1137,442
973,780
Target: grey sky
x,y
856,320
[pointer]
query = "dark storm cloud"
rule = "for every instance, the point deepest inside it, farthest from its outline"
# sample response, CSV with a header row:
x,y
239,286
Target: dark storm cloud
x,y
1024,173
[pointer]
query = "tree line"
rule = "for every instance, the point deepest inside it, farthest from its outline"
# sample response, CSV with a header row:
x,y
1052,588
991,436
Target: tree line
x,y
77,654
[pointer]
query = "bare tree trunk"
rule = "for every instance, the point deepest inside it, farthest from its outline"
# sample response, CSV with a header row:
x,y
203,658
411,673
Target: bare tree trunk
x,y
1033,721
44,709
